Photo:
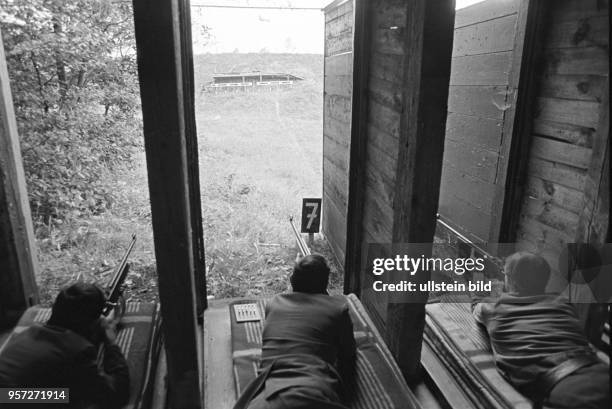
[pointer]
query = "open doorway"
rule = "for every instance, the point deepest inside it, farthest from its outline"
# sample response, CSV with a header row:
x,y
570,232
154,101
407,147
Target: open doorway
x,y
80,130
259,111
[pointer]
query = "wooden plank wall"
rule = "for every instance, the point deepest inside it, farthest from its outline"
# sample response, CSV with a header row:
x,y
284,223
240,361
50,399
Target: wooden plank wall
x,y
479,96
572,85
338,82
385,105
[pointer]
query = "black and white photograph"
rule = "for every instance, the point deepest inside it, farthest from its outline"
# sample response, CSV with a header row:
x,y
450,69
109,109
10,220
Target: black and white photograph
x,y
305,204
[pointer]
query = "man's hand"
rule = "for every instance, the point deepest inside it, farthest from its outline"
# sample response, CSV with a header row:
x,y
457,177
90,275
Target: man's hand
x,y
108,329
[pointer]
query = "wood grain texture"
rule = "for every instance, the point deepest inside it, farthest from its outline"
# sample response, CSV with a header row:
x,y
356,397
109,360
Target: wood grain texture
x,y
193,162
594,224
568,116
362,43
580,32
550,215
377,215
457,184
575,87
477,163
558,173
574,134
572,10
577,61
482,69
482,133
334,224
561,152
481,101
384,118
336,152
492,9
341,85
564,197
164,105
341,43
337,107
341,64
336,187
387,67
491,36
337,130
18,263
581,113
334,11
338,90
383,141
385,93
470,221
428,48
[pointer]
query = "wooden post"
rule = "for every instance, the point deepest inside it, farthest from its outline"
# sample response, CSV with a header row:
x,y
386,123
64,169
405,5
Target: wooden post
x,y
193,163
18,263
428,43
167,121
359,118
518,120
594,221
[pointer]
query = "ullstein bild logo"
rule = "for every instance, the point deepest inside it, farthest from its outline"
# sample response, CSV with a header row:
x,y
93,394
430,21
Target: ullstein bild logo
x,y
410,272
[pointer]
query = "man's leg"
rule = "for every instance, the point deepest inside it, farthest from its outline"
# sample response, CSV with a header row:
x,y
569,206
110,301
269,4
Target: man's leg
x,y
587,388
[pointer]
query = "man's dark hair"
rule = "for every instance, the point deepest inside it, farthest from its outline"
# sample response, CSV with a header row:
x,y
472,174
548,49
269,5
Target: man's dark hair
x,y
310,275
77,307
527,273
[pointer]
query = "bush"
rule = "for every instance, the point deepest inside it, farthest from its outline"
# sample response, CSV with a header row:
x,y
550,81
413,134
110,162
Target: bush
x,y
75,90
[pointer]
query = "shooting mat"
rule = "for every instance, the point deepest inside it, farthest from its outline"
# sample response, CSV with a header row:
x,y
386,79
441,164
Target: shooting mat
x,y
379,382
138,338
456,338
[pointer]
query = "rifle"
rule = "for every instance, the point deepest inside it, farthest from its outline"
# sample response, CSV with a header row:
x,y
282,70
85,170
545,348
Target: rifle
x,y
114,297
302,246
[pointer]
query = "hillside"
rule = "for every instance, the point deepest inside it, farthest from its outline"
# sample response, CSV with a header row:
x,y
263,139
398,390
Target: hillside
x,y
260,154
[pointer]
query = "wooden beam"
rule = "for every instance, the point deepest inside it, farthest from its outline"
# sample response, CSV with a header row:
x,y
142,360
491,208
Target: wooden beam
x,y
428,44
193,165
518,122
594,222
166,103
359,118
18,264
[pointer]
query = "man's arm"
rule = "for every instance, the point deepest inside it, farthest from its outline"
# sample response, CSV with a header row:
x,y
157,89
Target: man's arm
x,y
108,386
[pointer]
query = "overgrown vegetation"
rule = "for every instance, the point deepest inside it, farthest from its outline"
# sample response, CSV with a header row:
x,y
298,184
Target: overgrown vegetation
x,y
75,90
260,154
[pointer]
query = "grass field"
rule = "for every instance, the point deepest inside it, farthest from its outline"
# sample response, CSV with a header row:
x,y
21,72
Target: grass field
x,y
260,153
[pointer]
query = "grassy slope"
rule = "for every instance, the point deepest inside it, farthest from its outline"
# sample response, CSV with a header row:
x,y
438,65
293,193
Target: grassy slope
x,y
260,153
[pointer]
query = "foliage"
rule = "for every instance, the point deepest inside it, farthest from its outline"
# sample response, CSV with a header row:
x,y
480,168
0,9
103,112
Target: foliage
x,y
75,90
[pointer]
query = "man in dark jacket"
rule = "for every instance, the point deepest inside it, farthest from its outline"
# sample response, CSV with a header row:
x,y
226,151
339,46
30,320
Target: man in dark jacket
x,y
63,352
308,351
538,343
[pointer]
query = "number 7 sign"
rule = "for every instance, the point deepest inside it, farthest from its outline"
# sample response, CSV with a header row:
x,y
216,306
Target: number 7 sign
x,y
311,215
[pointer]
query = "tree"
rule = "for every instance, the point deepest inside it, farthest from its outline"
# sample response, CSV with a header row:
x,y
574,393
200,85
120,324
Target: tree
x,y
75,90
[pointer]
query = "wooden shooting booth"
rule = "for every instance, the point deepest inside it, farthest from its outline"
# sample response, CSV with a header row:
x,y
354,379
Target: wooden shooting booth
x,y
495,117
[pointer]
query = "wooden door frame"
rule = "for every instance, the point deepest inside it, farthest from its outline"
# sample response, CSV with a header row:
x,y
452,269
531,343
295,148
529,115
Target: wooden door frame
x,y
17,241
165,68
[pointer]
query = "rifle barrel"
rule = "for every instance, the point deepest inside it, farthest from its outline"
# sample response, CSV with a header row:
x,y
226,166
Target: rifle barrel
x,y
121,265
300,240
